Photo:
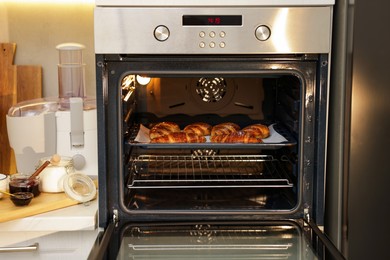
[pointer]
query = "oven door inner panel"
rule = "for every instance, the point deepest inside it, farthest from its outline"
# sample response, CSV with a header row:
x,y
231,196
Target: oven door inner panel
x,y
272,178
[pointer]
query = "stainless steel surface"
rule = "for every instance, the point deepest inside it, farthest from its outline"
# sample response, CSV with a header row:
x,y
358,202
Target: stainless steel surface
x,y
229,171
293,30
339,123
263,33
32,248
161,33
174,43
204,3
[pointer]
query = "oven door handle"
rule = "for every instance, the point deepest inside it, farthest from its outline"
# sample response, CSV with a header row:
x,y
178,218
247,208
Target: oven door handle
x,y
101,243
326,241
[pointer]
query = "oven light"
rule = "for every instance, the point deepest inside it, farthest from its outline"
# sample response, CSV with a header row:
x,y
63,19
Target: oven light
x,y
143,80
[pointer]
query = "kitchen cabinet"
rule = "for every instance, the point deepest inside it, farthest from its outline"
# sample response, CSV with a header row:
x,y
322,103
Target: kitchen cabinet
x,y
59,245
60,234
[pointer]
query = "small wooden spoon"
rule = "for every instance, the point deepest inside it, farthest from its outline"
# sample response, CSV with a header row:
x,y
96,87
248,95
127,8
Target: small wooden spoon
x,y
55,159
1,191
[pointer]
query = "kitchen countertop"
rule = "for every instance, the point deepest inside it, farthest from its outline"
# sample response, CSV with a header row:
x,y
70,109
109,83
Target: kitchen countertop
x,y
81,217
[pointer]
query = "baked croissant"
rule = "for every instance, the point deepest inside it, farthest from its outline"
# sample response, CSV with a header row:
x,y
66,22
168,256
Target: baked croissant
x,y
163,128
224,129
257,130
236,137
199,128
179,137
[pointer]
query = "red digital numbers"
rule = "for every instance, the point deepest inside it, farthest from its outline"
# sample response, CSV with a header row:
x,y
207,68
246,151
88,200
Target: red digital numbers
x,y
214,20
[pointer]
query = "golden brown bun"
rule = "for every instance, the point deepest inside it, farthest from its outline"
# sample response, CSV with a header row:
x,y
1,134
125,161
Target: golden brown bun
x,y
199,128
179,137
163,128
224,129
236,137
257,130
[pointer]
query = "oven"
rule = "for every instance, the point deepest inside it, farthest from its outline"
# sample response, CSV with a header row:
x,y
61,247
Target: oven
x,y
247,63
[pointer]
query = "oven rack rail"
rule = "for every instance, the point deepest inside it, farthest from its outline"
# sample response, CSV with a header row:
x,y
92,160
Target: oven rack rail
x,y
226,171
132,133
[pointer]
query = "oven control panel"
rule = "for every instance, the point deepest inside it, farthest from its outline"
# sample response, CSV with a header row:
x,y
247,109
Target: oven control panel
x,y
256,30
212,38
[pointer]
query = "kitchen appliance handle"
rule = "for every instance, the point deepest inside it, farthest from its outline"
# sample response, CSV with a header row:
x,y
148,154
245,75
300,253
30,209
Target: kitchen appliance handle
x,y
324,239
30,248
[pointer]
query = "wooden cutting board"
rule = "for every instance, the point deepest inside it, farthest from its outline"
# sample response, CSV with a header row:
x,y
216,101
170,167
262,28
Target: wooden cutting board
x,y
45,202
17,83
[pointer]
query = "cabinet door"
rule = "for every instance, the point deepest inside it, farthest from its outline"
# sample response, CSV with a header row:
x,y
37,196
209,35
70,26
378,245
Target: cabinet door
x,y
61,245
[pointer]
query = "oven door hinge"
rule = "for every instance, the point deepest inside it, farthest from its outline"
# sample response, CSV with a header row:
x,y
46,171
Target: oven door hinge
x,y
115,217
306,215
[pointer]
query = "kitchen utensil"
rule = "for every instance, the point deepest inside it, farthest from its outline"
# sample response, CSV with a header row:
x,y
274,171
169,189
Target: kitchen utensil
x,y
5,192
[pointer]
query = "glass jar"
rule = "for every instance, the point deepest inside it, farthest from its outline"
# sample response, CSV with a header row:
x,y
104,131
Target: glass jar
x,y
52,177
20,182
79,187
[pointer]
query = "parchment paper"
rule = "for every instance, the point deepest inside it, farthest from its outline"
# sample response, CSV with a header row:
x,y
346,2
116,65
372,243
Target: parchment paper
x,y
275,137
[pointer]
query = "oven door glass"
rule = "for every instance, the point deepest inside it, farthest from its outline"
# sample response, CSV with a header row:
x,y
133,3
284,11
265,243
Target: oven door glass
x,y
232,240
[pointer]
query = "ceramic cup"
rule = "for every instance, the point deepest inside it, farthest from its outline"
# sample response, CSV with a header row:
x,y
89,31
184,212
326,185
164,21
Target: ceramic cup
x,y
3,183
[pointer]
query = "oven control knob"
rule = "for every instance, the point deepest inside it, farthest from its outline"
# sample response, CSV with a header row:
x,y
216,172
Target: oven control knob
x,y
263,32
161,33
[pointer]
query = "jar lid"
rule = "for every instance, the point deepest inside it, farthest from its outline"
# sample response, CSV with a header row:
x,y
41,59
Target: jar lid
x,y
79,187
63,161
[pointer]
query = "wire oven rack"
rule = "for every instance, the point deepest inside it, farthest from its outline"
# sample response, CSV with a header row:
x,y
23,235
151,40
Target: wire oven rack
x,y
215,171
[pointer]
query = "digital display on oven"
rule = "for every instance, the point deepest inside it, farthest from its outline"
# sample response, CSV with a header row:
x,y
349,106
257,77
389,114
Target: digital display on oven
x,y
212,20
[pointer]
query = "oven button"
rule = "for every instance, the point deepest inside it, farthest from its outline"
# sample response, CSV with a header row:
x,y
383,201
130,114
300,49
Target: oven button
x,y
202,34
212,34
222,44
202,45
212,44
161,33
222,34
262,33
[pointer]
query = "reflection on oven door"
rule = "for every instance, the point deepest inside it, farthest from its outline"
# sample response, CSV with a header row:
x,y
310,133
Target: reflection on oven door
x,y
215,241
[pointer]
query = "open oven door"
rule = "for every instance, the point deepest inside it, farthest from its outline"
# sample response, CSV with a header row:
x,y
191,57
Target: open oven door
x,y
214,240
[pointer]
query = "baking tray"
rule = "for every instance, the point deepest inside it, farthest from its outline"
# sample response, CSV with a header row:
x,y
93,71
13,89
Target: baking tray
x,y
280,137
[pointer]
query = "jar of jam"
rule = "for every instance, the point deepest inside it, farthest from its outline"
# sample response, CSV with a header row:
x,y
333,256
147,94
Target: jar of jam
x,y
20,182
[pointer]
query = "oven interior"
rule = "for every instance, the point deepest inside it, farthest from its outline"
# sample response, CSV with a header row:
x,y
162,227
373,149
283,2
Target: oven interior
x,y
212,177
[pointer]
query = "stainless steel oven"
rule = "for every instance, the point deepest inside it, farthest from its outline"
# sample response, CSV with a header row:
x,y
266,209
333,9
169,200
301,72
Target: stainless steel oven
x,y
245,63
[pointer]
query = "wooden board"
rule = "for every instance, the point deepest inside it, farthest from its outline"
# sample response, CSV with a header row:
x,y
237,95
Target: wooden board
x,y
45,202
17,83
28,82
